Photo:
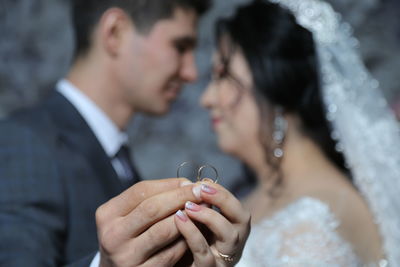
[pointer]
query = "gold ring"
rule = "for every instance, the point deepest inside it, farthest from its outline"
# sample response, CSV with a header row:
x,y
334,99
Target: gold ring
x,y
205,166
227,258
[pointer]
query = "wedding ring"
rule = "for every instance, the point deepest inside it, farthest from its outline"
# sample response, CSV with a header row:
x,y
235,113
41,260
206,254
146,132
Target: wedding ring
x,y
199,170
227,258
181,166
205,166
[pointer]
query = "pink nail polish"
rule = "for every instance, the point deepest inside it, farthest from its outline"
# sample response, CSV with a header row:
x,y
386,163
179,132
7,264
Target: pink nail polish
x,y
192,206
196,191
208,189
181,216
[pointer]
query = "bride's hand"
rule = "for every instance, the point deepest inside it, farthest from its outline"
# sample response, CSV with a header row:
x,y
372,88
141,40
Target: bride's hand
x,y
230,228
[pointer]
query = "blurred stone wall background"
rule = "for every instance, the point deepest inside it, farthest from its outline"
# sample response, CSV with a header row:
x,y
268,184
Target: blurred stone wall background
x,y
36,47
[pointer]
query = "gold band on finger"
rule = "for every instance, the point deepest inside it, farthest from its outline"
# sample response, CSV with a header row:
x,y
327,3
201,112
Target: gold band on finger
x,y
207,166
227,258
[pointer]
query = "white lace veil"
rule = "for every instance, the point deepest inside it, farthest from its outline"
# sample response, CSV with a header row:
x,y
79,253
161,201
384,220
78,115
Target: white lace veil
x,y
366,131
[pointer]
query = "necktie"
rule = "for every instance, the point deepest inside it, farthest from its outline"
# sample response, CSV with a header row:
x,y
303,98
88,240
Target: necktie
x,y
127,172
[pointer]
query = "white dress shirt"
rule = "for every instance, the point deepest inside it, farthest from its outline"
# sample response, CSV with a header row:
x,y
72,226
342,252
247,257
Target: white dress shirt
x,y
107,133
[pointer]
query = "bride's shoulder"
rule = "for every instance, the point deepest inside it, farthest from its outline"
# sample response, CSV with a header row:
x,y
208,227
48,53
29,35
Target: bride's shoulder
x,y
333,189
342,199
350,210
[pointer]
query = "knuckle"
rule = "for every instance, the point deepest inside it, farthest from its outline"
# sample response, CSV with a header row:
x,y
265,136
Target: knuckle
x,y
148,209
183,194
152,236
141,189
100,215
106,243
108,238
202,251
235,238
162,233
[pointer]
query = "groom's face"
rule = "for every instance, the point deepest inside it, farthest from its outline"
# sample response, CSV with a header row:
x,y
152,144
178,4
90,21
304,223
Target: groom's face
x,y
158,63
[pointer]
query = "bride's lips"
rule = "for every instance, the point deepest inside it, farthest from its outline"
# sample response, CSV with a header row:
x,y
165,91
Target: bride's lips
x,y
215,121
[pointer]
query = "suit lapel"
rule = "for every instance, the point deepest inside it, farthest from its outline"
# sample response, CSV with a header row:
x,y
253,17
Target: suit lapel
x,y
75,132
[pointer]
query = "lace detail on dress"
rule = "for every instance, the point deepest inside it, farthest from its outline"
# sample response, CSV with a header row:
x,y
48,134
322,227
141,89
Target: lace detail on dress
x,y
302,234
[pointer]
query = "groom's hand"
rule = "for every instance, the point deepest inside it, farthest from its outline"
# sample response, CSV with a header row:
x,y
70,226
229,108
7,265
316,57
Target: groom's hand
x,y
137,227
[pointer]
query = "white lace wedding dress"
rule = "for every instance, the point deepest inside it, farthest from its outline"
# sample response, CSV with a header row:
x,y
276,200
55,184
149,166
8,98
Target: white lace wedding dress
x,y
302,234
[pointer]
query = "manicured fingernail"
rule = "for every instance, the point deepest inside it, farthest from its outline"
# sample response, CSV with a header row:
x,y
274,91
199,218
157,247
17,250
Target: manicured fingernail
x,y
181,216
208,189
185,183
196,191
192,206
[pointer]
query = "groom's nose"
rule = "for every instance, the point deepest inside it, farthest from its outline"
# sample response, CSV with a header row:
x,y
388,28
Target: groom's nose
x,y
188,71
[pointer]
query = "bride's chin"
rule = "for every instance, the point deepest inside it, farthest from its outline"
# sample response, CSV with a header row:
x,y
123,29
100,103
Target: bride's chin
x,y
229,148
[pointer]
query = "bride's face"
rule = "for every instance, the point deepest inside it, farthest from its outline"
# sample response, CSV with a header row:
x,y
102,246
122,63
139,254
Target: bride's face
x,y
232,106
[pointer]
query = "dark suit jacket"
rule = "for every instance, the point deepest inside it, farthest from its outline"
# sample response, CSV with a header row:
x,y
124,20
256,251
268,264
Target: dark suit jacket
x,y
53,175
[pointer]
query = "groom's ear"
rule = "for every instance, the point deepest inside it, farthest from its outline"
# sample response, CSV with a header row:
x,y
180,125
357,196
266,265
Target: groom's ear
x,y
112,32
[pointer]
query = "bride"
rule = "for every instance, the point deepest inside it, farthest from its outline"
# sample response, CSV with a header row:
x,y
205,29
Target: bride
x,y
292,100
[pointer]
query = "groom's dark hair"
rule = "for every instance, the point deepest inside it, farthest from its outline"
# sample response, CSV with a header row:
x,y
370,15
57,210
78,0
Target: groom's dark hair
x,y
144,13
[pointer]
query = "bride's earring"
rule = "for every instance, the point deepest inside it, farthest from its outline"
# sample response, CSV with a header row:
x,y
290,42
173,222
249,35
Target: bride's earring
x,y
279,133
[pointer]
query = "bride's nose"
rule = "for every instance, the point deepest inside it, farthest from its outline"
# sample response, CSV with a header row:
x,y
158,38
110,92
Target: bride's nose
x,y
208,97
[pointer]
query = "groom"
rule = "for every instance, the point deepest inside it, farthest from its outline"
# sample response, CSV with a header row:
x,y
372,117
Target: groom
x,y
62,161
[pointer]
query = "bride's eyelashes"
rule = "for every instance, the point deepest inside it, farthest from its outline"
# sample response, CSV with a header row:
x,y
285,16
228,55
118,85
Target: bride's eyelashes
x,y
219,73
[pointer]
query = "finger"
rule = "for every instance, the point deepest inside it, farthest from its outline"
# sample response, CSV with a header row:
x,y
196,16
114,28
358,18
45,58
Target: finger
x,y
158,236
195,240
222,229
229,205
168,256
156,208
125,202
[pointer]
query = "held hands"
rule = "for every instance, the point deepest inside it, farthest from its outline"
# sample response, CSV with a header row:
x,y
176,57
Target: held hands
x,y
137,228
230,229
140,228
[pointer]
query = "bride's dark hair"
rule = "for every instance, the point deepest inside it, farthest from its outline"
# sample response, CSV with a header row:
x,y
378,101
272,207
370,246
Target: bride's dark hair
x,y
283,61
